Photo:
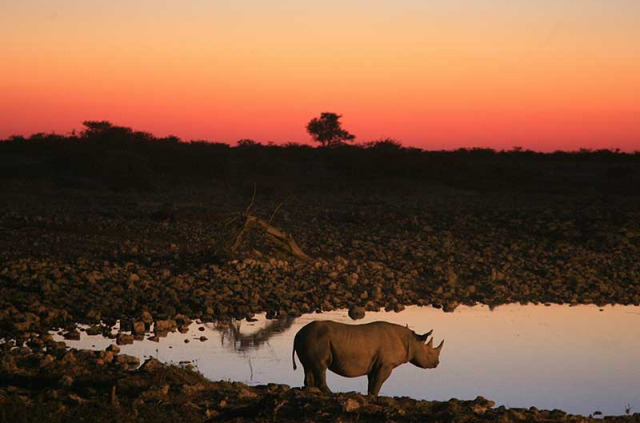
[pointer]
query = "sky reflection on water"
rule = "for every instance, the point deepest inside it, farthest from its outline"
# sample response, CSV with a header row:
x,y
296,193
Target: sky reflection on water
x,y
580,359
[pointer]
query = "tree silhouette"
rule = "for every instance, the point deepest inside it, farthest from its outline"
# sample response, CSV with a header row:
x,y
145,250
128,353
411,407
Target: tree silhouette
x,y
327,130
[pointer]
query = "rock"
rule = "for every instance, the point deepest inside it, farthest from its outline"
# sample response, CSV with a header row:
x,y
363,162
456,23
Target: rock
x,y
151,365
69,358
66,381
356,312
56,346
557,414
72,335
147,318
397,307
165,326
517,414
350,405
211,414
481,405
138,328
159,393
94,330
188,389
133,385
124,339
127,361
35,343
22,326
113,348
46,360
182,320
246,393
106,356
450,306
8,364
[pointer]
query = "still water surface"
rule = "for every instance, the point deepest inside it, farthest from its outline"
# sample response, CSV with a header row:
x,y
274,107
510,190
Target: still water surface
x,y
579,359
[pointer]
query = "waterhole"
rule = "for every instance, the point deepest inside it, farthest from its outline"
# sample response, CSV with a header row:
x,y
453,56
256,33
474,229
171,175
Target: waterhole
x,y
582,359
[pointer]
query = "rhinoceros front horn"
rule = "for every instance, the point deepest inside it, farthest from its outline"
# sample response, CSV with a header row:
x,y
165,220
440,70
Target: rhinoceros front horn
x,y
439,347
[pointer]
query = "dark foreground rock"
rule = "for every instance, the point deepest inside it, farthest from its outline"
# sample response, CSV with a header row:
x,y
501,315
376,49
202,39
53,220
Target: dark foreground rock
x,y
100,386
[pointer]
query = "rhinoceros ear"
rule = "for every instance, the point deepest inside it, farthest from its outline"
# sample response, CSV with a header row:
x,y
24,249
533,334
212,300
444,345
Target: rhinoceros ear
x,y
425,336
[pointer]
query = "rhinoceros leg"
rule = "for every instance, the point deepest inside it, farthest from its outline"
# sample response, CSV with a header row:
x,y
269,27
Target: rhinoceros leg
x,y
315,373
376,378
308,378
320,378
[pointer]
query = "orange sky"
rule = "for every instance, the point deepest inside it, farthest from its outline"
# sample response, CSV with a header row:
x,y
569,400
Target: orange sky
x,y
544,75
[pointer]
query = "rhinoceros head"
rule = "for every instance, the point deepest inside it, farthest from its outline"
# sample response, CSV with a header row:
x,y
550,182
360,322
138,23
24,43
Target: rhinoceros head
x,y
425,355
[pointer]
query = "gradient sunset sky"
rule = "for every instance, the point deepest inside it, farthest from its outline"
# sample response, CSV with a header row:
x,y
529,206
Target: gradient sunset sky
x,y
543,74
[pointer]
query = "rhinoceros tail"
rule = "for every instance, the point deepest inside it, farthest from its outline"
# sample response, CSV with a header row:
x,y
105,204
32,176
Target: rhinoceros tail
x,y
293,357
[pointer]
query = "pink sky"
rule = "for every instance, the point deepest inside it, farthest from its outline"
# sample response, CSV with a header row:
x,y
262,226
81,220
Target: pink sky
x,y
542,75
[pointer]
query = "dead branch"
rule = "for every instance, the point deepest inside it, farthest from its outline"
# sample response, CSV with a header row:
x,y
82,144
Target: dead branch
x,y
253,197
279,238
276,237
275,211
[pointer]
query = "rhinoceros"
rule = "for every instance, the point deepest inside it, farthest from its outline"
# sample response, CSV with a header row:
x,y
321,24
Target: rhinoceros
x,y
373,349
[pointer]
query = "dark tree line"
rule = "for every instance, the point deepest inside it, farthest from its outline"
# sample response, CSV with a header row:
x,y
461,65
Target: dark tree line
x,y
104,155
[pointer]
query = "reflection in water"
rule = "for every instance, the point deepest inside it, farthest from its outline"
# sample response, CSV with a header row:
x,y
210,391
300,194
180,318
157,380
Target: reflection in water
x,y
580,359
243,342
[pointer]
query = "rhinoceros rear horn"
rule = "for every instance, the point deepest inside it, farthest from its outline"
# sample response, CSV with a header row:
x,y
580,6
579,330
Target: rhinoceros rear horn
x,y
439,347
425,336
430,343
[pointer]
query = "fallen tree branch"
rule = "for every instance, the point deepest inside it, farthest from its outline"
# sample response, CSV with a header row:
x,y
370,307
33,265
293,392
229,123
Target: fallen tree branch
x,y
252,224
279,238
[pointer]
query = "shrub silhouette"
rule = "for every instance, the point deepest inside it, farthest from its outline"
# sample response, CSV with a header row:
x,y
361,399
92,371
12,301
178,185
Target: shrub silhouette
x,y
123,170
386,144
248,143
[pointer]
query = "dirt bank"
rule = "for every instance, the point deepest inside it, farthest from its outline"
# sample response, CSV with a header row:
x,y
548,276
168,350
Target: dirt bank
x,y
69,385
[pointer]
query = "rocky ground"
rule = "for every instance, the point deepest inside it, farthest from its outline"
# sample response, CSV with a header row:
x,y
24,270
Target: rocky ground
x,y
59,385
69,257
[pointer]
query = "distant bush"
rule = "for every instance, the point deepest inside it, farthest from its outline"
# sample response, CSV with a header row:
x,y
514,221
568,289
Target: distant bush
x,y
246,142
123,170
384,144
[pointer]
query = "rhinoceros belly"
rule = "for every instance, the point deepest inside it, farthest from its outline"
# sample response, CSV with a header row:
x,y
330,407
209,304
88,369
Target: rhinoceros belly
x,y
350,364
